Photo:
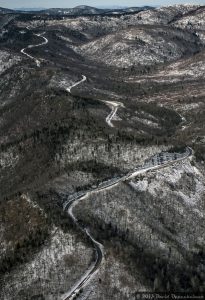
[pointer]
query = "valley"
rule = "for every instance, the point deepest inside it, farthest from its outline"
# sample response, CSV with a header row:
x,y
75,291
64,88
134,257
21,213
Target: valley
x,y
102,159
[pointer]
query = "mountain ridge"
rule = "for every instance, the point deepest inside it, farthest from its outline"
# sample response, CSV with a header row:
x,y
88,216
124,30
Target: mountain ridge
x,y
77,10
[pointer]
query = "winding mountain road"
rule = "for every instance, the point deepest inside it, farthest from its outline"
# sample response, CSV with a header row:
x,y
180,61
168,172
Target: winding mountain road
x,y
93,269
114,108
76,84
76,198
73,200
113,105
23,51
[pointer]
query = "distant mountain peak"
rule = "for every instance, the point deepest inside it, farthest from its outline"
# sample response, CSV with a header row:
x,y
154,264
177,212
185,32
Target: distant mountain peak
x,y
83,7
77,10
30,8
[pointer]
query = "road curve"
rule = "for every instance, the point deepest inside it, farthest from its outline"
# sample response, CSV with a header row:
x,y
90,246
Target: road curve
x,y
114,108
23,51
70,204
113,105
76,84
76,198
93,269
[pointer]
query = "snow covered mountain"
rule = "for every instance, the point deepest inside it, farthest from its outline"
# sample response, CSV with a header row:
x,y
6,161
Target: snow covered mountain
x,y
88,10
102,153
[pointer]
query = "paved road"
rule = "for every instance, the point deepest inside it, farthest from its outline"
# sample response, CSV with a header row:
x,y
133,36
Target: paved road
x,y
94,268
114,108
69,206
113,105
23,51
76,84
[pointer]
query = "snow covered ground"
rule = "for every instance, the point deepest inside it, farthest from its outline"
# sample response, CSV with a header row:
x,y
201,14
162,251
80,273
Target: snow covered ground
x,y
174,194
191,68
115,281
126,156
7,60
143,46
8,159
162,15
51,271
195,21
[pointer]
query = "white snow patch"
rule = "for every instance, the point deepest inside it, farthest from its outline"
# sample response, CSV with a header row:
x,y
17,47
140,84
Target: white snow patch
x,y
8,159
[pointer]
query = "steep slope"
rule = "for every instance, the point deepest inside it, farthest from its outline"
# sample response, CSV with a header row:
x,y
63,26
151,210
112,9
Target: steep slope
x,y
34,252
88,10
163,15
140,46
193,21
161,215
7,60
78,10
108,94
